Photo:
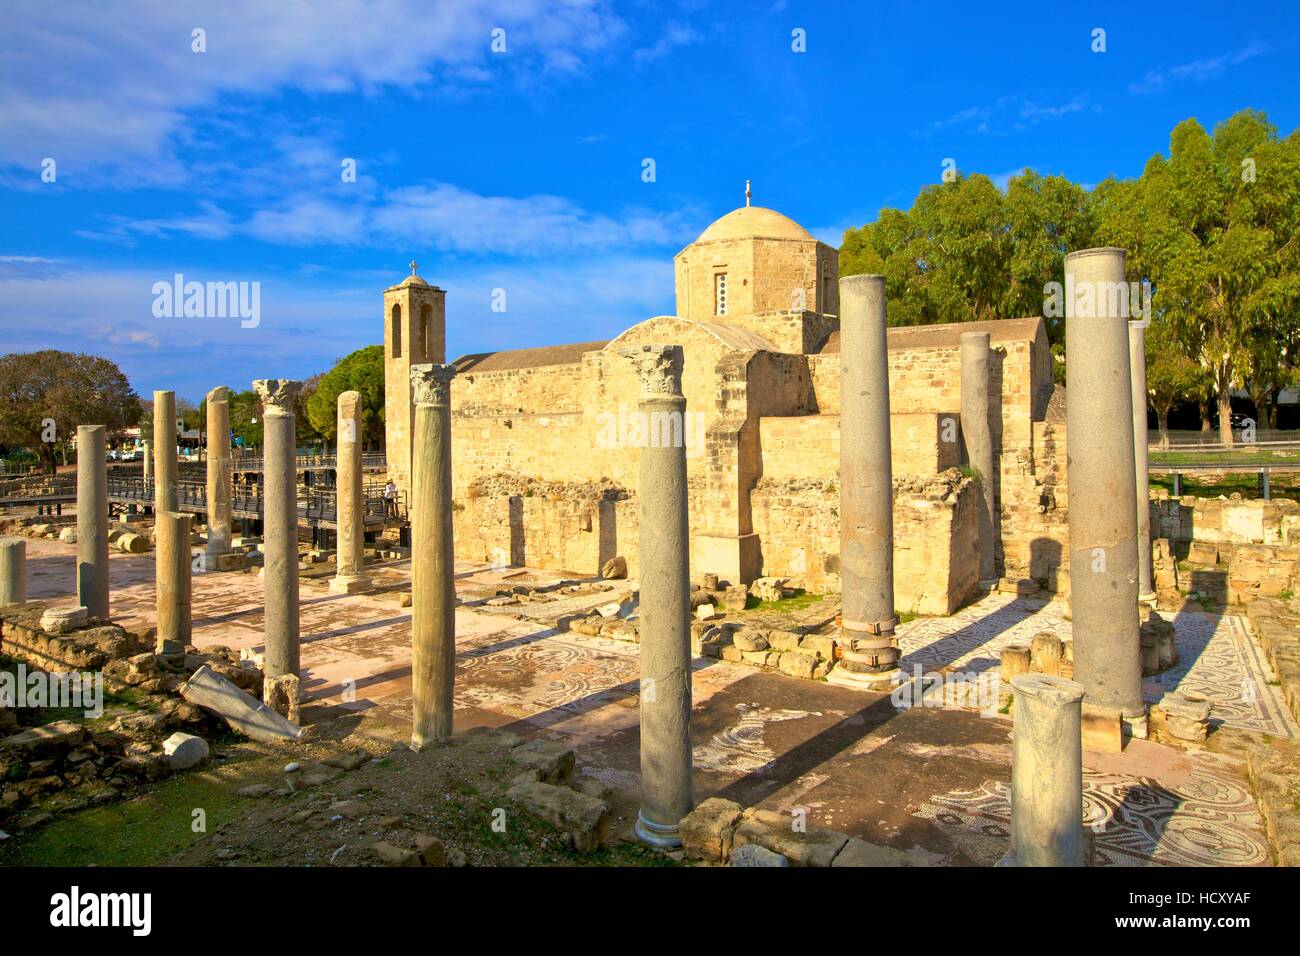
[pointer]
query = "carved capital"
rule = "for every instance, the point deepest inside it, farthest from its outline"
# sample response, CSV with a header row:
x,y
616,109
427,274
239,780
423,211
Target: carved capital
x,y
277,394
431,384
658,366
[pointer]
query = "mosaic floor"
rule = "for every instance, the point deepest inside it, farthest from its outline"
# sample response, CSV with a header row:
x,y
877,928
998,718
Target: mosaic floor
x,y
1209,821
1219,661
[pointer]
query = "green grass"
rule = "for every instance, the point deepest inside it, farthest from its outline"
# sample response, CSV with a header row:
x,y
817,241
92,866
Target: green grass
x,y
1247,484
796,602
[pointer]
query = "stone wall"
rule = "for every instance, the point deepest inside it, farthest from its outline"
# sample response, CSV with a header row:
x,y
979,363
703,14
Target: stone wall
x,y
514,520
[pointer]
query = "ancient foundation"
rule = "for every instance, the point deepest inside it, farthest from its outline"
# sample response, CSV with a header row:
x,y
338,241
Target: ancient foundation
x,y
870,657
164,452
219,478
350,576
173,590
1046,773
92,520
977,435
280,525
1137,360
433,594
1103,533
665,608
13,571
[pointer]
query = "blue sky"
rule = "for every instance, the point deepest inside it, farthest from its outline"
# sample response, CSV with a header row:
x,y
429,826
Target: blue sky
x,y
522,170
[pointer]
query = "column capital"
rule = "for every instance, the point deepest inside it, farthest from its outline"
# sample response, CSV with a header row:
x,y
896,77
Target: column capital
x,y
658,366
277,394
218,394
431,384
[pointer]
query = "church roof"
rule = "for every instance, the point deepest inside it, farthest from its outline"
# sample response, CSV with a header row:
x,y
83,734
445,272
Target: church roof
x,y
525,358
947,335
754,222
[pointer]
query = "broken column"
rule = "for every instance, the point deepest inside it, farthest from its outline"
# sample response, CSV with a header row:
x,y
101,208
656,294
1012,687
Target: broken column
x,y
1046,773
665,606
164,452
977,434
280,525
172,576
13,571
92,520
1137,360
1101,474
219,478
433,592
350,576
870,656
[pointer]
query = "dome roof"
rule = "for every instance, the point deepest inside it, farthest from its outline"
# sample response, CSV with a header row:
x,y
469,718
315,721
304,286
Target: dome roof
x,y
752,222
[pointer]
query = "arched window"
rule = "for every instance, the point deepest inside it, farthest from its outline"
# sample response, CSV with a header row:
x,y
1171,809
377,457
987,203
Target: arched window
x,y
419,339
397,331
426,323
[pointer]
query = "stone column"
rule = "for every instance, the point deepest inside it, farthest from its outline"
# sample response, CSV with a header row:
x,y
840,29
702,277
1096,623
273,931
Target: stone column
x,y
172,574
147,460
977,433
870,657
13,571
1103,533
433,591
219,477
665,606
1137,361
350,576
1046,773
164,452
280,525
92,520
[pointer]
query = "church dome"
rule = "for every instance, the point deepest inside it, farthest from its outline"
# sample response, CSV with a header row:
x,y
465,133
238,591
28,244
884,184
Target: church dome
x,y
754,222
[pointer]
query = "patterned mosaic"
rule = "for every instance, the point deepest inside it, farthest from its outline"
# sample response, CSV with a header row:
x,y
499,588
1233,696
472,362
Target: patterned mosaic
x,y
1136,821
1218,659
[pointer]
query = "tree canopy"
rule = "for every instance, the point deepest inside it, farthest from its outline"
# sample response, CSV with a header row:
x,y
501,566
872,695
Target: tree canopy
x,y
363,372
45,395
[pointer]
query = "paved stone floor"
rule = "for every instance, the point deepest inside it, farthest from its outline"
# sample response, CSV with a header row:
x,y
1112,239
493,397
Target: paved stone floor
x,y
931,781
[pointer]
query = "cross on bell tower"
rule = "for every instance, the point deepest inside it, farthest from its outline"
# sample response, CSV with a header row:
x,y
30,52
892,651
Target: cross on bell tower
x,y
746,192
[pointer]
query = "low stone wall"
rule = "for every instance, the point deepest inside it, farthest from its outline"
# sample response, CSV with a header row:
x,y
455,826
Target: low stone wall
x,y
577,527
1229,520
1277,626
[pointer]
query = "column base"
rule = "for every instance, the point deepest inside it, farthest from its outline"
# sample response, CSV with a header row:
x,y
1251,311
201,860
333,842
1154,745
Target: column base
x,y
1148,598
879,681
988,584
225,561
1136,727
664,836
340,584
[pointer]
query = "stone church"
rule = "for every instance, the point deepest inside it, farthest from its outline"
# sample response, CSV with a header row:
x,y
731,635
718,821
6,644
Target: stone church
x,y
545,465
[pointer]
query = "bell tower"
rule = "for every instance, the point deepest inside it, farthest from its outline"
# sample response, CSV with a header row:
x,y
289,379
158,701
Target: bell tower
x,y
415,333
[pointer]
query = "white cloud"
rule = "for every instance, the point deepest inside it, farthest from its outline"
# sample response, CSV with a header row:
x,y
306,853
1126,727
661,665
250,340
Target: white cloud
x,y
101,88
441,216
1195,71
675,35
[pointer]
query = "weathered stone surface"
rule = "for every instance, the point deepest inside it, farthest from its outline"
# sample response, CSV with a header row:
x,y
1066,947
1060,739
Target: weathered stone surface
x,y
63,620
749,639
283,695
1102,729
614,568
751,854
390,855
210,690
775,831
1046,653
861,853
585,818
1015,659
797,664
553,761
707,830
184,750
431,850
52,738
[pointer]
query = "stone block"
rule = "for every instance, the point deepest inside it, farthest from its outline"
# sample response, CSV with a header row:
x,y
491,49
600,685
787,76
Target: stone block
x,y
750,639
553,761
1045,653
707,830
584,818
861,853
798,664
821,645
1102,729
184,750
776,832
64,620
751,854
1015,659
783,640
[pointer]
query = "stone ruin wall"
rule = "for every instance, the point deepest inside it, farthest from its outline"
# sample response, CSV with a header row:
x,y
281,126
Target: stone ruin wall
x,y
792,403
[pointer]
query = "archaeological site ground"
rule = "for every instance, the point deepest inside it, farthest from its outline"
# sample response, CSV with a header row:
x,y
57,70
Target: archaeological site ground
x,y
892,546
